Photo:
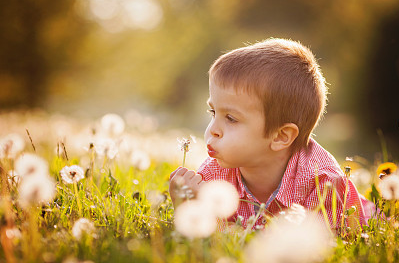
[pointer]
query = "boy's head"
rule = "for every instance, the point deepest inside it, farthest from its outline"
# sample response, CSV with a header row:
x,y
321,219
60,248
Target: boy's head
x,y
284,75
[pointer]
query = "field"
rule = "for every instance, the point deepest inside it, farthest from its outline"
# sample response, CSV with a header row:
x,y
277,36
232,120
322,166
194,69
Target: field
x,y
75,190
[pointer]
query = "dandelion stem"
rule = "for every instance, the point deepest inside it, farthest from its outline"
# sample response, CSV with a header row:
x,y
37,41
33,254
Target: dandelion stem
x,y
184,157
75,186
31,141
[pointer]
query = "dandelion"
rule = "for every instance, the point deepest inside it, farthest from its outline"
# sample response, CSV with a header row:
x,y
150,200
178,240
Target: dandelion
x,y
155,198
389,187
83,226
106,147
72,174
285,241
31,165
296,214
385,169
194,220
184,145
220,196
36,190
113,124
140,160
11,146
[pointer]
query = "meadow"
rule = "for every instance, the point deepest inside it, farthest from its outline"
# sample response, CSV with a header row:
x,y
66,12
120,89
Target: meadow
x,y
77,190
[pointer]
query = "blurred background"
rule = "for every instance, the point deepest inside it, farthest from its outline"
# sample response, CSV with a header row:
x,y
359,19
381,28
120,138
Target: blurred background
x,y
86,58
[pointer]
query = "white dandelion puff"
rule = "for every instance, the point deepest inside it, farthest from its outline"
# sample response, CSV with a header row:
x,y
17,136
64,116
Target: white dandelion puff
x,y
221,196
31,165
36,190
81,227
113,124
284,241
296,214
389,187
106,147
194,220
72,174
11,145
140,159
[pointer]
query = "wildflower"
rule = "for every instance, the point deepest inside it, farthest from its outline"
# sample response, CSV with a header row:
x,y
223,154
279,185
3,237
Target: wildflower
x,y
36,190
296,214
106,147
389,187
140,160
220,196
113,124
155,198
11,146
83,226
284,241
194,220
385,169
31,165
72,174
184,145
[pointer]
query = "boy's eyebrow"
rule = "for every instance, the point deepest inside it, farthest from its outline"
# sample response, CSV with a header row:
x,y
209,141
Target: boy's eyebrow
x,y
226,109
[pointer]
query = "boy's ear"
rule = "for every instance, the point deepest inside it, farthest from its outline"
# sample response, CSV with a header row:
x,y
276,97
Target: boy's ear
x,y
284,137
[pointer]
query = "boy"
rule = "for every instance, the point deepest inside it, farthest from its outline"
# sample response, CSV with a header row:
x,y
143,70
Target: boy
x,y
265,100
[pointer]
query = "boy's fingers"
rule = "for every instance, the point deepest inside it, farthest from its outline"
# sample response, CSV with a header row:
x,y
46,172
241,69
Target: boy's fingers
x,y
181,171
189,175
196,179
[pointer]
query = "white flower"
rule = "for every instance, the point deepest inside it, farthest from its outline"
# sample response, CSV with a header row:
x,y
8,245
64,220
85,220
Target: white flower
x,y
389,187
11,146
220,196
140,160
31,165
184,143
155,198
194,220
106,147
284,241
296,214
113,124
81,227
71,174
36,190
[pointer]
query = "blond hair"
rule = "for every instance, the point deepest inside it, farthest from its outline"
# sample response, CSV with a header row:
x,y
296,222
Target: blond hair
x,y
285,75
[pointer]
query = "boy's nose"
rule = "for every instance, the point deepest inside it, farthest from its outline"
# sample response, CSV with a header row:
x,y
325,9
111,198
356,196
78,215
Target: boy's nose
x,y
214,129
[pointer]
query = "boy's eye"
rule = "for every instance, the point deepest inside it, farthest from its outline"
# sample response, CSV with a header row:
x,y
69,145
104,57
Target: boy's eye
x,y
211,112
230,118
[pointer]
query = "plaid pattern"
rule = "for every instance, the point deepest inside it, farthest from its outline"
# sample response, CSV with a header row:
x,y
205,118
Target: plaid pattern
x,y
298,186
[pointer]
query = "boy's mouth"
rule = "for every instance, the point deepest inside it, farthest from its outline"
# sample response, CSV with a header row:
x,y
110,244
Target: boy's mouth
x,y
211,151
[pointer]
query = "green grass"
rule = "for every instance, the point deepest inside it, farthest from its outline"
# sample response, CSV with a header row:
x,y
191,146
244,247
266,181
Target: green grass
x,y
129,228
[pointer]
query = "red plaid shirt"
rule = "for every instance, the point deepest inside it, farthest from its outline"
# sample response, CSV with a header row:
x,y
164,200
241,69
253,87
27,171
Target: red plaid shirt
x,y
297,186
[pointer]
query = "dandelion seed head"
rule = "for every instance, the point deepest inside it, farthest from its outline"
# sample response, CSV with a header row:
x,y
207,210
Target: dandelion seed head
x,y
221,196
36,190
31,165
81,227
72,174
194,220
140,159
184,143
389,187
284,241
106,147
11,145
296,214
113,124
155,198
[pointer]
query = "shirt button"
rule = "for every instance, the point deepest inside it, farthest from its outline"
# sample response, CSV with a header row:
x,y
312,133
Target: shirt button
x,y
264,221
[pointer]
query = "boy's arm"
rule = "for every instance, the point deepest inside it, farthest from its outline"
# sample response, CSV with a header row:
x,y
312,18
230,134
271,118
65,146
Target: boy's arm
x,y
183,177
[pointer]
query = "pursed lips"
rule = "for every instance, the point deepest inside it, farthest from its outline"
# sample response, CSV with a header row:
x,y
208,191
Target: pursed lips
x,y
211,151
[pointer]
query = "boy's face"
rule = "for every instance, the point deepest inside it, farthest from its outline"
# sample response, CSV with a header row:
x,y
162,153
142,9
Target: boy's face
x,y
235,134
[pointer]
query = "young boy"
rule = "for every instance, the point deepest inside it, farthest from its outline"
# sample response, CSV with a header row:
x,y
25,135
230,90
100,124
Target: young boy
x,y
265,100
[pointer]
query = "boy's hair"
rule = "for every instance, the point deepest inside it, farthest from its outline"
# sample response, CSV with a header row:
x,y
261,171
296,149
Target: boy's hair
x,y
284,75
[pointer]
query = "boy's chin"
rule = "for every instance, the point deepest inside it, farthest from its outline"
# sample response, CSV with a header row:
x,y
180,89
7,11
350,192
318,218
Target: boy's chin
x,y
224,164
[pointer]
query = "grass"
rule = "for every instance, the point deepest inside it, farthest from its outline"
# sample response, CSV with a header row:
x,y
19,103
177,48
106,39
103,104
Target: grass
x,y
132,214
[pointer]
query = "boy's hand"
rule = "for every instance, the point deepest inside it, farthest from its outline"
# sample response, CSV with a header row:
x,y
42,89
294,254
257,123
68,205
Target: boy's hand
x,y
183,177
